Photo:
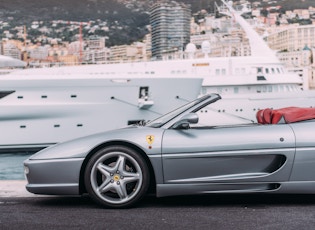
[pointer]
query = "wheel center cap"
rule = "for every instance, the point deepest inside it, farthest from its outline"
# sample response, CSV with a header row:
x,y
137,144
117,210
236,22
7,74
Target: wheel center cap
x,y
116,177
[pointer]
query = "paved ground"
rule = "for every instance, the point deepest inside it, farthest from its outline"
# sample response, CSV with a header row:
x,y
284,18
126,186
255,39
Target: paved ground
x,y
14,188
22,210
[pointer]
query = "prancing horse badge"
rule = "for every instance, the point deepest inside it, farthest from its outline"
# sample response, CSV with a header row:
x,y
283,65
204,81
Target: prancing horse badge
x,y
150,139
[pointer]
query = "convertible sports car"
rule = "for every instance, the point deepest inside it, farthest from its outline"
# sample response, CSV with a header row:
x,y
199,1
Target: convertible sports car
x,y
179,154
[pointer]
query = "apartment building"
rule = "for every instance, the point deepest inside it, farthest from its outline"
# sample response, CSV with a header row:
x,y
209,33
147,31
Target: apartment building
x,y
295,45
11,50
126,53
170,27
292,38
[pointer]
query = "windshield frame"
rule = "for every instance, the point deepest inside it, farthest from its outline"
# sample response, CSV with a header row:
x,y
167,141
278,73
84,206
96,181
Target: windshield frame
x,y
189,107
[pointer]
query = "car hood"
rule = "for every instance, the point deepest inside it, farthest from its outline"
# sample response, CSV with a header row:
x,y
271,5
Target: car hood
x,y
140,136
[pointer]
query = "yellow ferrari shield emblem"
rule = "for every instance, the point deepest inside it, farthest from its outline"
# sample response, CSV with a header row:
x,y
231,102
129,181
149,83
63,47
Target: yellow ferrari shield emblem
x,y
150,139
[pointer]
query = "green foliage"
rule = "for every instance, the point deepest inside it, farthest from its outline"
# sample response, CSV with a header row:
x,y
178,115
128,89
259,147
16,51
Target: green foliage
x,y
126,25
115,14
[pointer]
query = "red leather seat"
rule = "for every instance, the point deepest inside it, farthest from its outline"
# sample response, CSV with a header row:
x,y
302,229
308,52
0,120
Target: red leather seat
x,y
289,115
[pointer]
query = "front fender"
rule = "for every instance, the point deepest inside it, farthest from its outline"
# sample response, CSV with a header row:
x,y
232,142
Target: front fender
x,y
146,138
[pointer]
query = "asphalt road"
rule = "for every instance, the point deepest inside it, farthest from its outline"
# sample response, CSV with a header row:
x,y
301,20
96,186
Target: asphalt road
x,y
192,212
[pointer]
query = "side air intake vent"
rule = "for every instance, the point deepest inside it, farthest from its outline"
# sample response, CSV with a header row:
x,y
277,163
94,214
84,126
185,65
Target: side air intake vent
x,y
5,93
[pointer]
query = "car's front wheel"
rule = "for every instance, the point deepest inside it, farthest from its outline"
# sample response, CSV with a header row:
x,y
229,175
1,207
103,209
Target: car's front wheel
x,y
116,177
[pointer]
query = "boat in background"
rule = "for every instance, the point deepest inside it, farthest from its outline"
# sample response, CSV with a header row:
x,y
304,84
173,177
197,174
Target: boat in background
x,y
39,110
41,107
9,64
253,82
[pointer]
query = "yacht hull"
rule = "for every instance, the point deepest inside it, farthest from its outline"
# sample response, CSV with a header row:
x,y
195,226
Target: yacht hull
x,y
37,113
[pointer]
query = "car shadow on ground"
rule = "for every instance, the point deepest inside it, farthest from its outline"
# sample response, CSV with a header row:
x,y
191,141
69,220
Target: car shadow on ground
x,y
230,200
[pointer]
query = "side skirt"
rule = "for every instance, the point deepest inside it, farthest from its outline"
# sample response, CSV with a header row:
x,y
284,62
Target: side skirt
x,y
304,187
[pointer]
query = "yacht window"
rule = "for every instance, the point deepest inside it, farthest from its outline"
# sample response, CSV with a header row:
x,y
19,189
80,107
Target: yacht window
x,y
269,88
5,93
259,70
278,70
258,89
144,92
236,89
223,72
267,71
272,70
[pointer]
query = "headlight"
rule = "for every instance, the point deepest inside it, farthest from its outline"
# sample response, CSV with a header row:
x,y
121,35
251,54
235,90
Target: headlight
x,y
26,170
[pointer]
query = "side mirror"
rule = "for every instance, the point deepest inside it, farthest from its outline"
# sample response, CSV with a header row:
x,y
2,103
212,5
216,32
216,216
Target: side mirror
x,y
190,118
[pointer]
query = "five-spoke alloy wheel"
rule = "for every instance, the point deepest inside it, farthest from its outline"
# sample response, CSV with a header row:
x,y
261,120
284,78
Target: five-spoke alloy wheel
x,y
116,177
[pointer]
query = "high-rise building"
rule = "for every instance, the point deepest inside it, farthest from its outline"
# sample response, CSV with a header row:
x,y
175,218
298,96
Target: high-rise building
x,y
170,27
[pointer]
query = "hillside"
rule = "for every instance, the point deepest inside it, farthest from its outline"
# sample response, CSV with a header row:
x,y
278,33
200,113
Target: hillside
x,y
293,4
84,10
24,12
127,24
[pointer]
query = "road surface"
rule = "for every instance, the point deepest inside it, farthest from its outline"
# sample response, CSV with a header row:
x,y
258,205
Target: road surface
x,y
22,210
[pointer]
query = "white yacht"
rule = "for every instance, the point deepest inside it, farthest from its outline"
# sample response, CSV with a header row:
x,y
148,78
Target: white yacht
x,y
254,82
40,107
9,64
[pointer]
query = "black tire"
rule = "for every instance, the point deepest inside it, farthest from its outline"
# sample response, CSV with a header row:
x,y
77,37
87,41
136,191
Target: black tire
x,y
116,177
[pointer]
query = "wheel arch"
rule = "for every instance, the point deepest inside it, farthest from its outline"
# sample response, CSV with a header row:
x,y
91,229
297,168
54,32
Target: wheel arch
x,y
152,186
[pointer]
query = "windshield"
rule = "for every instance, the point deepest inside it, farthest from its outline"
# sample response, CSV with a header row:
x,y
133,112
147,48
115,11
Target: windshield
x,y
169,116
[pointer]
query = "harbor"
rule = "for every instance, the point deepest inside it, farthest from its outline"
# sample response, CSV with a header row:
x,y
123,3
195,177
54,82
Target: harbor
x,y
73,101
43,106
12,179
11,166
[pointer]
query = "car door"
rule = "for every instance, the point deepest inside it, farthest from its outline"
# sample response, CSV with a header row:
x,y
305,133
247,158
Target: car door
x,y
304,161
228,154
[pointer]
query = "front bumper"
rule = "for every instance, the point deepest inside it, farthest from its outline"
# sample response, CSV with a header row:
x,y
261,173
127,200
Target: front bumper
x,y
53,176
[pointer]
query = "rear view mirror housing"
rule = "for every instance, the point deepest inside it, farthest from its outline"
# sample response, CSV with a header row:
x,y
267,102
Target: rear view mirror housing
x,y
186,120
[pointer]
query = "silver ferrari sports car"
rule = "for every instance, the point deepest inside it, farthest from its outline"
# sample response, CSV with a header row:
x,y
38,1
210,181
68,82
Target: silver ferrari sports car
x,y
181,154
